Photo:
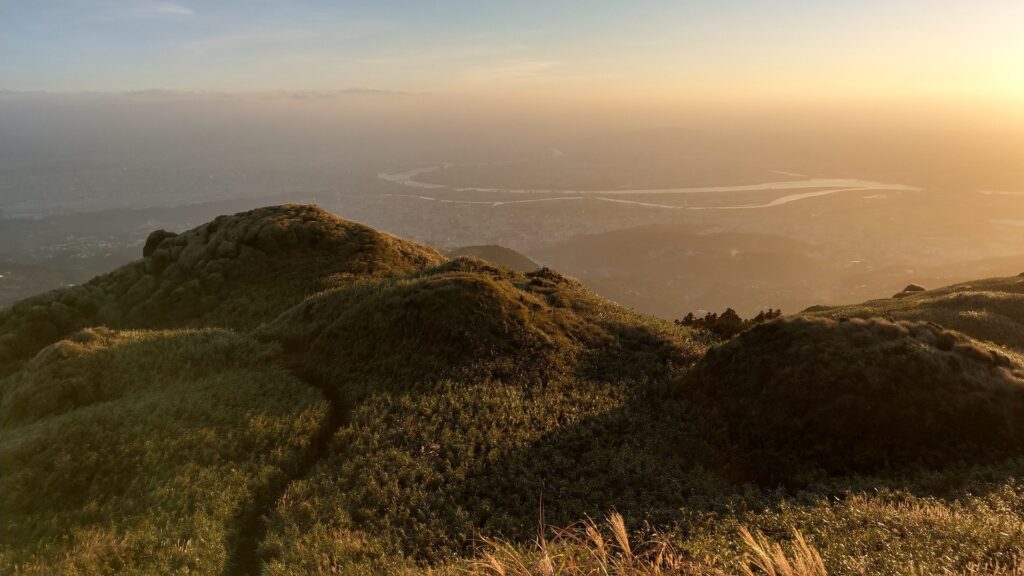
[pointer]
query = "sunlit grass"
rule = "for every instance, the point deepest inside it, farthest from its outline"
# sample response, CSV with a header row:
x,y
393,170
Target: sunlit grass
x,y
136,452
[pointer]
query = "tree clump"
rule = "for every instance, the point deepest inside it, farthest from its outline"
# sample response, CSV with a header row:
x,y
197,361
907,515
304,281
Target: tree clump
x,y
728,323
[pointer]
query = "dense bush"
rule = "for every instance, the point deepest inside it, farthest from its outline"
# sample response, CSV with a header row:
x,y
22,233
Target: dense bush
x,y
859,396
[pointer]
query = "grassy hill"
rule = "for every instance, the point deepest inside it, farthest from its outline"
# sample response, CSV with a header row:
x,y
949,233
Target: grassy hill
x,y
233,272
990,310
285,392
139,452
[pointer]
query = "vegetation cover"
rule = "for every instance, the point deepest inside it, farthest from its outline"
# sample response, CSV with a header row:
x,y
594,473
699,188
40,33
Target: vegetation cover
x,y
729,323
287,392
232,272
990,310
138,451
804,394
511,388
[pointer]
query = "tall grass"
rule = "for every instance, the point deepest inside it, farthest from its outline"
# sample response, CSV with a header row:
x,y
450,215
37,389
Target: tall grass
x,y
608,549
586,548
771,559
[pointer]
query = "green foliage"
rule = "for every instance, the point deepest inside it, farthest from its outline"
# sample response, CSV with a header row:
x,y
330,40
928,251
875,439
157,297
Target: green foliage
x,y
802,394
729,323
873,529
385,408
497,402
135,452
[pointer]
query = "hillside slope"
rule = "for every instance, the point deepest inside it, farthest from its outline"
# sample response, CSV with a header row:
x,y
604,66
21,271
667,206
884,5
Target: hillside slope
x,y
137,452
509,388
990,310
342,401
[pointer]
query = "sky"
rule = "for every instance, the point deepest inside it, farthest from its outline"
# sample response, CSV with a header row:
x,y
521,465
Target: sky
x,y
969,50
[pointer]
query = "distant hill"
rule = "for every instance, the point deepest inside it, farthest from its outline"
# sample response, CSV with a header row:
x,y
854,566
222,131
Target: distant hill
x,y
286,392
499,255
19,281
669,271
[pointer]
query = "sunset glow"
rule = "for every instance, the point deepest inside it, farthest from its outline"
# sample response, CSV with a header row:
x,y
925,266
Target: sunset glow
x,y
793,49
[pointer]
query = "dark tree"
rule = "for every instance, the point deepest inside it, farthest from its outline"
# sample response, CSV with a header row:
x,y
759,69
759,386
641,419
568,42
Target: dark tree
x,y
729,323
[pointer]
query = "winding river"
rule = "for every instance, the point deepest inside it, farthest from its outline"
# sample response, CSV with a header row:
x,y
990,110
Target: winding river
x,y
818,187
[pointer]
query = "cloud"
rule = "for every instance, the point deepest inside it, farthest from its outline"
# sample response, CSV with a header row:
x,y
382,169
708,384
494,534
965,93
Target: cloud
x,y
143,9
302,32
511,71
446,53
169,9
248,37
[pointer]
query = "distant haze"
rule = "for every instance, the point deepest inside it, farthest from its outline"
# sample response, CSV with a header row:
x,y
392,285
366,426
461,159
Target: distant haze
x,y
675,155
90,151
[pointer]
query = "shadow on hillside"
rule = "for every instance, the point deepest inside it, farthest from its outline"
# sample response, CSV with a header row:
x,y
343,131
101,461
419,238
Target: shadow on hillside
x,y
646,459
654,460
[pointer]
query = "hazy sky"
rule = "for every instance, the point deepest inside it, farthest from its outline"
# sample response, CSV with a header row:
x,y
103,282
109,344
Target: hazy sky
x,y
955,49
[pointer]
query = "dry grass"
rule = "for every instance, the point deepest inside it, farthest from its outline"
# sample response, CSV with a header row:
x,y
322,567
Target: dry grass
x,y
593,549
770,559
587,548
608,549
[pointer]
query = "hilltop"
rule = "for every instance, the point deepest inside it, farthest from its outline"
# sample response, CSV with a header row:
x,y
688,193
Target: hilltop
x,y
286,392
235,271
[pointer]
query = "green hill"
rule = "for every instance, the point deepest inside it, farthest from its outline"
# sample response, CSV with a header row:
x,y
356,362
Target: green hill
x,y
510,387
285,392
235,271
138,452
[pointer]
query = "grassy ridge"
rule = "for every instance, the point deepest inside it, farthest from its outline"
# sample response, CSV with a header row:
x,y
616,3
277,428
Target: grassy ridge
x,y
438,452
462,395
989,310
